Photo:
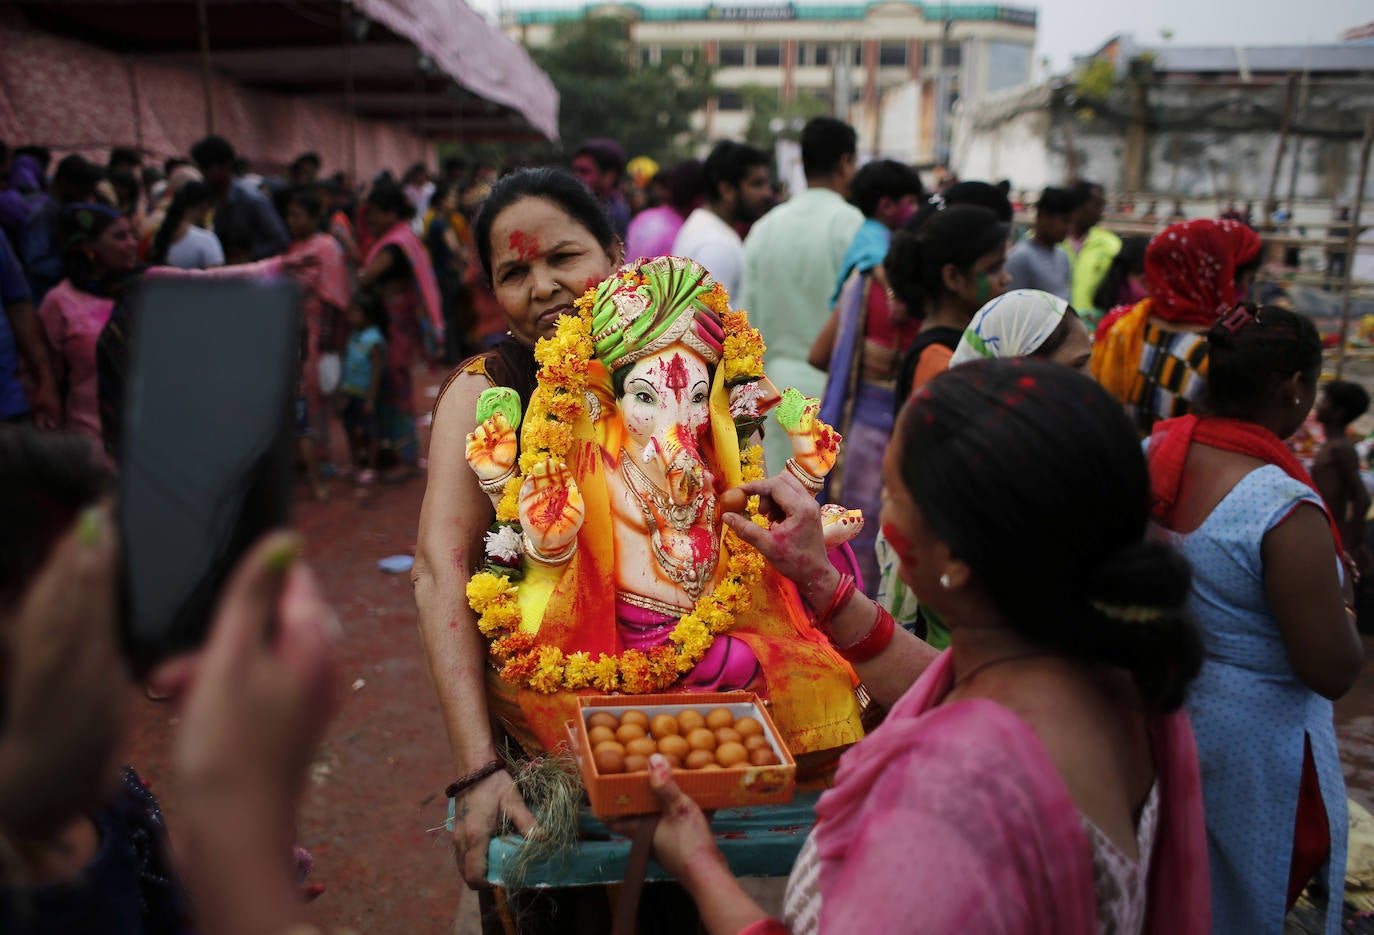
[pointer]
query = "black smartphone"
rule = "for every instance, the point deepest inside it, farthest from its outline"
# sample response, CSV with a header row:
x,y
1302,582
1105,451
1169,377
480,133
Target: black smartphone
x,y
205,466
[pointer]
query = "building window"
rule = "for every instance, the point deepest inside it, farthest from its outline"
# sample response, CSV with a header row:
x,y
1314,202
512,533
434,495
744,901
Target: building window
x,y
768,55
892,55
731,56
954,55
646,55
820,55
1008,65
858,57
730,100
678,55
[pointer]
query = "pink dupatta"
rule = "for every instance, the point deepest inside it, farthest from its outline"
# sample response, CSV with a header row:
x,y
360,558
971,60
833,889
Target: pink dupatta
x,y
404,238
954,819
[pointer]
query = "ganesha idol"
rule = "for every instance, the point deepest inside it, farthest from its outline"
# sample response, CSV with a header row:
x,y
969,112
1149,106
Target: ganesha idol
x,y
608,568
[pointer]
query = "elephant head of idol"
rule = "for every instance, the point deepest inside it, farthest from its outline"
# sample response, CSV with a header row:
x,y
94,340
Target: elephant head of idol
x,y
660,344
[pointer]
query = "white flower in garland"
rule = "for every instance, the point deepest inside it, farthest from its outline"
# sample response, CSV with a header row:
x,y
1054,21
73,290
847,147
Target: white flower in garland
x,y
744,400
504,545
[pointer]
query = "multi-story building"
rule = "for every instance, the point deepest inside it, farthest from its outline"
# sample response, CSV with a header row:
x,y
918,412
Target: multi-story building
x,y
892,68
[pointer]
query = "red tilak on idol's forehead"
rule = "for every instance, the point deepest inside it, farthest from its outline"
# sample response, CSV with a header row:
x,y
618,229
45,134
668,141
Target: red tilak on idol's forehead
x,y
677,376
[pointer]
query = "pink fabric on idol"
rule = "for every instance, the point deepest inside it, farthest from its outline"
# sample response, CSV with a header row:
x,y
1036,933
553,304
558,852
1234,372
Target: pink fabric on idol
x,y
729,665
404,238
953,818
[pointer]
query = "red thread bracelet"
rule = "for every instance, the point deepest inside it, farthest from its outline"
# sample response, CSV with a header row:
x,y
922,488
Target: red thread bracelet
x,y
875,642
843,592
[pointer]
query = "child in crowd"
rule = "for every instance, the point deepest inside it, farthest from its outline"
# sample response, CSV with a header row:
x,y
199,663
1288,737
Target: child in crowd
x,y
1336,468
306,431
364,361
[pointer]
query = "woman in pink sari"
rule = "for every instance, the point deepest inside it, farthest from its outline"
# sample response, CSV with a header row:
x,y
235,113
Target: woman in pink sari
x,y
1038,777
397,268
326,291
101,260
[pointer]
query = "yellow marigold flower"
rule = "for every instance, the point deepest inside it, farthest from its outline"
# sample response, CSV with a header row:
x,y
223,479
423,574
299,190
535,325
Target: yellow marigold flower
x,y
577,670
635,675
485,589
508,510
512,644
663,666
518,669
548,673
717,300
606,673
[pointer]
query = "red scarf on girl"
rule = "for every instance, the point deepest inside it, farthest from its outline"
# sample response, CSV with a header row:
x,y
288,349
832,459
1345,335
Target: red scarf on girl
x,y
1168,452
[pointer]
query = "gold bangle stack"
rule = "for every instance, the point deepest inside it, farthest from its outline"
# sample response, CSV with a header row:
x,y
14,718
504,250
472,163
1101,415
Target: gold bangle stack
x,y
494,488
808,480
543,558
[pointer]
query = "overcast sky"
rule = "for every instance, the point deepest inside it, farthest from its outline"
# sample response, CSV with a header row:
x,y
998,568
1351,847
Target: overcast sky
x,y
1074,27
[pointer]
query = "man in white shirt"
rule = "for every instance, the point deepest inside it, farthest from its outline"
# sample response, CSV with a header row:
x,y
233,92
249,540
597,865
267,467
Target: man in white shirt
x,y
738,189
792,258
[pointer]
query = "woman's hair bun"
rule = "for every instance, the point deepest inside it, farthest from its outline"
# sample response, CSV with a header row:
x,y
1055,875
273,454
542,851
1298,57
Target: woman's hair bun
x,y
1136,601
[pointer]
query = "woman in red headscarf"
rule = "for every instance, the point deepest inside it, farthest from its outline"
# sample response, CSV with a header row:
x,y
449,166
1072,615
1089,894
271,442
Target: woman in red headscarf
x,y
1153,355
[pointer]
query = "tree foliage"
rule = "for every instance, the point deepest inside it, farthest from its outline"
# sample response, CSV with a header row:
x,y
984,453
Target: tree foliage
x,y
606,91
770,119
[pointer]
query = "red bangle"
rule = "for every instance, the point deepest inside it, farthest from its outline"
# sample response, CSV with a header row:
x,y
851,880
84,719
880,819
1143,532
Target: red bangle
x,y
765,927
875,642
843,592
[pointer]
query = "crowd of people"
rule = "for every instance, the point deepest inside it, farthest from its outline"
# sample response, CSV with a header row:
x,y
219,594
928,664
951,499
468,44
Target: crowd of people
x,y
1103,607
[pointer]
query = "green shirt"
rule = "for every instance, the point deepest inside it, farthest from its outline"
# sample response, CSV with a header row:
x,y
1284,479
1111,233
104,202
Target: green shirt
x,y
792,257
1090,265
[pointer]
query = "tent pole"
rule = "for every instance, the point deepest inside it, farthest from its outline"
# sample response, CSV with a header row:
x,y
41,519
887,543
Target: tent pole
x,y
349,91
1352,239
203,17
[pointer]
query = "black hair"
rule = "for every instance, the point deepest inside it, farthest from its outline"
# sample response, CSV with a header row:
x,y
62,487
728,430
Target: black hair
x,y
391,197
883,178
454,165
213,151
685,183
552,184
1058,336
124,157
1245,367
370,304
41,154
46,479
150,175
127,185
441,189
825,141
1055,200
1083,190
1000,455
187,197
308,198
729,162
608,155
992,197
919,252
79,175
170,165
1350,398
241,166
1129,261
306,158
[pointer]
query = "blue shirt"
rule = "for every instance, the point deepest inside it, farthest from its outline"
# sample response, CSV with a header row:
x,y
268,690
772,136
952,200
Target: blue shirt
x,y
357,368
13,288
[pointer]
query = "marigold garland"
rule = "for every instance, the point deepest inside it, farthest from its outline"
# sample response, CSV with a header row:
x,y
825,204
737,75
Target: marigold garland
x,y
547,433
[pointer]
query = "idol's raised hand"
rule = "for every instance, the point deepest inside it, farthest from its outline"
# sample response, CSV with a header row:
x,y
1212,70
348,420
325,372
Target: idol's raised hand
x,y
494,445
551,512
815,445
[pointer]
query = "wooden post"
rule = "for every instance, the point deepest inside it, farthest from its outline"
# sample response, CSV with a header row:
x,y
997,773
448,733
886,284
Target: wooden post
x,y
1352,238
1271,204
350,104
203,18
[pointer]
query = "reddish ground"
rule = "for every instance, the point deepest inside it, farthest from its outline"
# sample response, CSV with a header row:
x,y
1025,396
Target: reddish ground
x,y
376,782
